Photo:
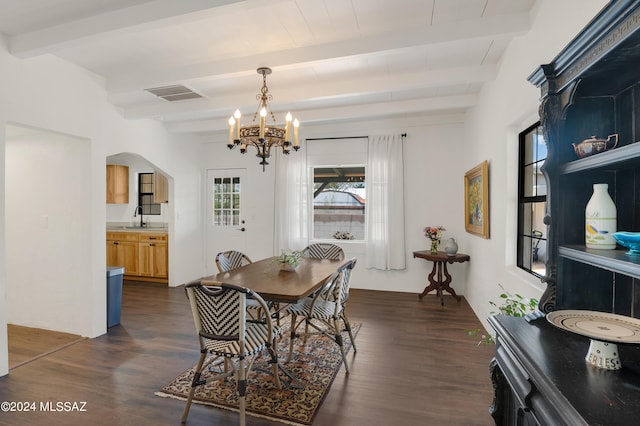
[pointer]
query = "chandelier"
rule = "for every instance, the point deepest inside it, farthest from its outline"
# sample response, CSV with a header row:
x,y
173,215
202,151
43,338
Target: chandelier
x,y
261,135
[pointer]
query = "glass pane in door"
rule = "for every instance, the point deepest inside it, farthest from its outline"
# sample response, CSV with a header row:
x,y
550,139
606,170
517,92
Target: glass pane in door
x,y
226,201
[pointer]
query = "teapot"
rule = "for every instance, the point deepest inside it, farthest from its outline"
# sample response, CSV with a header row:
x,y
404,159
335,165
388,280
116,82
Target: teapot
x,y
593,145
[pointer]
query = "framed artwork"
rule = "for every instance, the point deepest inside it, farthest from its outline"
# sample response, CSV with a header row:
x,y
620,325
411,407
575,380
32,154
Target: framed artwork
x,y
476,200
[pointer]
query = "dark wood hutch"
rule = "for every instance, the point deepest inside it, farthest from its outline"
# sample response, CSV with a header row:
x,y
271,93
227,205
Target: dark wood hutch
x,y
539,373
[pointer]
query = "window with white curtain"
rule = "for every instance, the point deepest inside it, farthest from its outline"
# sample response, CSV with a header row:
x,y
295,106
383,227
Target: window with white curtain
x,y
339,202
374,163
337,188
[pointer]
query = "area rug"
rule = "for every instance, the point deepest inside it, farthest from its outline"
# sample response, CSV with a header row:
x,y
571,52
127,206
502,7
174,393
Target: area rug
x,y
314,363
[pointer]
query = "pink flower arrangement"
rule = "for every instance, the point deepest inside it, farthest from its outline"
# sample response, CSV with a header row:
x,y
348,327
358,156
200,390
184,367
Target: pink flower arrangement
x,y
433,232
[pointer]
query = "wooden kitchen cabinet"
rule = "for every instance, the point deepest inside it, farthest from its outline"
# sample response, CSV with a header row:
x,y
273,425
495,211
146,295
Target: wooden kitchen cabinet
x,y
122,250
144,255
160,188
117,184
153,255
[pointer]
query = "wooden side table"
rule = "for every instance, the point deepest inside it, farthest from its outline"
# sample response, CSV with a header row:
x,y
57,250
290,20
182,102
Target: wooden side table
x,y
439,278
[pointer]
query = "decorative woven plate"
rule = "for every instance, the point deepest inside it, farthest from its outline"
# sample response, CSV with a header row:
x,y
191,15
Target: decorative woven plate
x,y
598,325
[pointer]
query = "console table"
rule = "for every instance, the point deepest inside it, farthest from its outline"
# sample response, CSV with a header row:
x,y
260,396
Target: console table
x,y
439,278
540,377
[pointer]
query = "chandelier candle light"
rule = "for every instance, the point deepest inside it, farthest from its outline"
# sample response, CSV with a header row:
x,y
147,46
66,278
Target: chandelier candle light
x,y
261,135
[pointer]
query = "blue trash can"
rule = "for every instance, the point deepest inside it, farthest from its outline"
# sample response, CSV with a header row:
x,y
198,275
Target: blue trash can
x,y
114,294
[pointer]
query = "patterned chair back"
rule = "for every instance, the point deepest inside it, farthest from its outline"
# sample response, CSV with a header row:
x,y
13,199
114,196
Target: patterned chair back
x,y
343,279
228,260
324,251
218,311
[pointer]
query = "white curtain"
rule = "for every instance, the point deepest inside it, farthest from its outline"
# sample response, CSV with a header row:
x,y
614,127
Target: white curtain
x,y
385,203
291,203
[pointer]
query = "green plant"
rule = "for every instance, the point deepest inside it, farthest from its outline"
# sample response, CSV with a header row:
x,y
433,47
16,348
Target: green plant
x,y
339,235
292,257
513,305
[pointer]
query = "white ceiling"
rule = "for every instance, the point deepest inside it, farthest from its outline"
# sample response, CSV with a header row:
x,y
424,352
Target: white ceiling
x,y
332,60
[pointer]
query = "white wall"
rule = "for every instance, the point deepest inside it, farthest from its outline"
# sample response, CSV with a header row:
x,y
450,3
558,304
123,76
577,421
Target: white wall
x,y
47,231
48,93
433,192
4,355
507,106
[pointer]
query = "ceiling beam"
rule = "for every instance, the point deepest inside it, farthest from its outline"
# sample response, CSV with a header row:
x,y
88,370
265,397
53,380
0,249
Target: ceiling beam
x,y
443,105
354,91
146,16
504,26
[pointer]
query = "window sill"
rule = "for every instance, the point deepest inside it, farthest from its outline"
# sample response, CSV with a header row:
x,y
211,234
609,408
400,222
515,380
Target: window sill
x,y
349,246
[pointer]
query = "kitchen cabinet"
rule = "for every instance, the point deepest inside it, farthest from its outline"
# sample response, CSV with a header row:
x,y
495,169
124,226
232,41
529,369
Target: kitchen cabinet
x,y
122,250
117,184
145,255
153,255
160,188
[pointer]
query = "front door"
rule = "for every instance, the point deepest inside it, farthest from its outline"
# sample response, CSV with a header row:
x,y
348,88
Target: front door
x,y
226,227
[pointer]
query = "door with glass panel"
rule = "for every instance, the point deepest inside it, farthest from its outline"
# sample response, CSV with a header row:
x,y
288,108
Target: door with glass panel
x,y
225,226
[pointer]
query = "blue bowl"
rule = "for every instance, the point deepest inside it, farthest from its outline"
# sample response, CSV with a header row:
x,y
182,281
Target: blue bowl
x,y
630,240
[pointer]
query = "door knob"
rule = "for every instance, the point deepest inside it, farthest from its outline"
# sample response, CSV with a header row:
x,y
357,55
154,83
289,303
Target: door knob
x,y
242,229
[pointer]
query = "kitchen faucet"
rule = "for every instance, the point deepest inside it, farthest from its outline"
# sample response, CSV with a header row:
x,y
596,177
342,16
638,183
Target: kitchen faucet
x,y
135,214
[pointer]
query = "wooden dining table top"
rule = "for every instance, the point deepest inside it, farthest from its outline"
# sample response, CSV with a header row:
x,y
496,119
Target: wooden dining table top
x,y
273,284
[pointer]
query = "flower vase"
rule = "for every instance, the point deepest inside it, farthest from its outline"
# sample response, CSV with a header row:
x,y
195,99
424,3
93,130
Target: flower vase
x,y
434,246
286,266
600,216
451,247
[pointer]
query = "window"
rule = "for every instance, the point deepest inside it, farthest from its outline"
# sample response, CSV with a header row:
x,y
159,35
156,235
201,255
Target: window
x,y
338,202
226,201
145,195
532,200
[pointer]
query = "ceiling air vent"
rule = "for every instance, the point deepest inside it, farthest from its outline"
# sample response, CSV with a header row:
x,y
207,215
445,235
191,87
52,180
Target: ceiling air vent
x,y
174,93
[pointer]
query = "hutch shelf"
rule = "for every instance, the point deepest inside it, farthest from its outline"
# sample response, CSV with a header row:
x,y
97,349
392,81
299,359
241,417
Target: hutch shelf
x,y
592,88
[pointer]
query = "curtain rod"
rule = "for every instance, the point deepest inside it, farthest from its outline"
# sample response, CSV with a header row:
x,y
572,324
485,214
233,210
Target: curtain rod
x,y
404,135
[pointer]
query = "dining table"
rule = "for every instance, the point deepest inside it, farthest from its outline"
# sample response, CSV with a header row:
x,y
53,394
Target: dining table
x,y
279,287
276,285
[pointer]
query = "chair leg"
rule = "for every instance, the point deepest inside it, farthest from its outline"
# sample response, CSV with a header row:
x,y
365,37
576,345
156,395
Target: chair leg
x,y
347,325
340,342
292,335
242,390
306,329
195,382
273,352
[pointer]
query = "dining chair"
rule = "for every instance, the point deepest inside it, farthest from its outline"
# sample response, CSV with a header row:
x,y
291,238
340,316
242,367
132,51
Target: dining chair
x,y
324,313
324,251
231,259
219,314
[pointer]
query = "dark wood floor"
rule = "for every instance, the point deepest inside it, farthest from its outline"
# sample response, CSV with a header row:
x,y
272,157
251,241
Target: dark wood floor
x,y
27,344
415,365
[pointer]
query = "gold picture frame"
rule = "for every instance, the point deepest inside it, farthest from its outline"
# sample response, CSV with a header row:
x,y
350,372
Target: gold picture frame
x,y
476,200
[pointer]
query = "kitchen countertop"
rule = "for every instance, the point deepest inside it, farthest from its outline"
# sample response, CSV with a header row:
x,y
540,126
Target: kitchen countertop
x,y
136,229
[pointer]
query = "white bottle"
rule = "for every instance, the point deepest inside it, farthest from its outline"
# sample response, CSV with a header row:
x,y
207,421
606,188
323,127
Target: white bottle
x,y
600,219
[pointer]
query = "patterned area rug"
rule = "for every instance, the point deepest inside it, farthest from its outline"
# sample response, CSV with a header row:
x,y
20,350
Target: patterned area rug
x,y
314,363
